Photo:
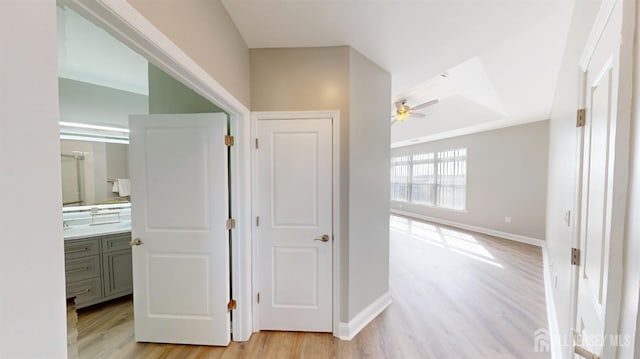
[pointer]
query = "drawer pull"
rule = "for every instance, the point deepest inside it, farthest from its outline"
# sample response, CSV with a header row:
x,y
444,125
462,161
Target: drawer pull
x,y
83,292
77,270
78,250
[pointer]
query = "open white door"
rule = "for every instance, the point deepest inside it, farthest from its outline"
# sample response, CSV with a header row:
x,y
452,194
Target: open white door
x,y
604,178
178,168
294,234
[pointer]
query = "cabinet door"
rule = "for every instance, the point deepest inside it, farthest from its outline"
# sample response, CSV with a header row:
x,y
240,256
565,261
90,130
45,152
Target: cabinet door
x,y
117,273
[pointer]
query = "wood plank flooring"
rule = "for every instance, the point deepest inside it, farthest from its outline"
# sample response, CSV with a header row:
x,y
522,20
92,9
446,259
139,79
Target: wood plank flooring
x,y
456,294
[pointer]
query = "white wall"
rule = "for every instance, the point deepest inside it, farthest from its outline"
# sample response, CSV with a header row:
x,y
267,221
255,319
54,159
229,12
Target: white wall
x,y
629,319
369,141
32,302
506,177
563,163
206,33
88,103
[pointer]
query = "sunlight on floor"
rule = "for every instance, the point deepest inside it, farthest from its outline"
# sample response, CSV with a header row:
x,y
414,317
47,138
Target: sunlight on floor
x,y
455,241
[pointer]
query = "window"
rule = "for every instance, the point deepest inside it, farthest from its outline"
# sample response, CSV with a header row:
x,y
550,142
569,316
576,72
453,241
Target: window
x,y
400,178
436,179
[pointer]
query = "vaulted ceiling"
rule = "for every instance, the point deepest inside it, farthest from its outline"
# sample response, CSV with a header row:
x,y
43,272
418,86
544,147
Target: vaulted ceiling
x,y
501,57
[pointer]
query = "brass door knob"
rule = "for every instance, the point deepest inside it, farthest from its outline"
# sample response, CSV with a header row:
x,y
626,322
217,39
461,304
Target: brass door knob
x,y
324,238
136,242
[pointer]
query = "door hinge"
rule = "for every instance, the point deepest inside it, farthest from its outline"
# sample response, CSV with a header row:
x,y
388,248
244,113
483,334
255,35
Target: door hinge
x,y
257,145
575,256
258,221
231,305
258,297
228,140
231,224
581,117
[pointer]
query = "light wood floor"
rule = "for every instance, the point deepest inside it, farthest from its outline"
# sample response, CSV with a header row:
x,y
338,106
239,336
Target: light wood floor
x,y
456,294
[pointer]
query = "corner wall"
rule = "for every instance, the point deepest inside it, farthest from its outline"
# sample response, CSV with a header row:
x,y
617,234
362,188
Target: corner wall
x,y
369,156
506,177
32,303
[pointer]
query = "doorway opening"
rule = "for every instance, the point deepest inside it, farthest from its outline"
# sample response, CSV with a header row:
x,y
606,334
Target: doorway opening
x,y
99,67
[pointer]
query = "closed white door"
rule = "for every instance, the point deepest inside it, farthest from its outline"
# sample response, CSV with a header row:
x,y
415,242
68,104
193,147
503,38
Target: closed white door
x,y
602,207
294,233
179,192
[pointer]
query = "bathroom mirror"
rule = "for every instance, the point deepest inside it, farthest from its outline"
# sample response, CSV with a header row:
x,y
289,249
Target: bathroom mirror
x,y
90,170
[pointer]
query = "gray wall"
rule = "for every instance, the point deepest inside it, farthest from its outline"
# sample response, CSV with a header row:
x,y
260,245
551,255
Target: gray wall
x,y
87,103
369,143
168,95
206,33
506,177
563,162
32,323
305,79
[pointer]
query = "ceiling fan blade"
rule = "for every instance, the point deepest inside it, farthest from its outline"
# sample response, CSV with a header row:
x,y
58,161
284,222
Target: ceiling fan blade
x,y
417,115
426,104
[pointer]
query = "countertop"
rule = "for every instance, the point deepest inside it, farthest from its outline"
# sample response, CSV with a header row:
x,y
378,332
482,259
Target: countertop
x,y
87,230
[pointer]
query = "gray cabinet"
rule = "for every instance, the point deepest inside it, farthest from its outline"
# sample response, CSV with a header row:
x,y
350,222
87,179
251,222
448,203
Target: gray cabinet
x,y
98,268
117,280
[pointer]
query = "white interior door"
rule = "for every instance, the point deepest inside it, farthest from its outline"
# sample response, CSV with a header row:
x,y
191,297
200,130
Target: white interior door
x,y
294,184
178,168
599,278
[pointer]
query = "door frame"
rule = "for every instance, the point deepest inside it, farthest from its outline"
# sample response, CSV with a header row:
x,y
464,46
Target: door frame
x,y
335,131
620,158
125,23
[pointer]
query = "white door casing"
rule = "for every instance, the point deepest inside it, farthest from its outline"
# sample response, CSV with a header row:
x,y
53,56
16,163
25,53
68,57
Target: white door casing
x,y
124,22
294,195
605,147
178,169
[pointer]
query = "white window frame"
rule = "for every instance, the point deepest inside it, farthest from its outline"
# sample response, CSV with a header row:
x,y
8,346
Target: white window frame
x,y
438,159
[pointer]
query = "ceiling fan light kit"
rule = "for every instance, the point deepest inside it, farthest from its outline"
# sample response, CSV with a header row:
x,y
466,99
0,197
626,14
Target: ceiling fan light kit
x,y
403,111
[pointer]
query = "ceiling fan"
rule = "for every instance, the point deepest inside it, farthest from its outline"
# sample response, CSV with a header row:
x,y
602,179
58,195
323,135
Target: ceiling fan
x,y
403,111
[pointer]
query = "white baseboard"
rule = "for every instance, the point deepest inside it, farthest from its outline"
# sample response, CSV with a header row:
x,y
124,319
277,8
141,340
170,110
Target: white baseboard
x,y
492,232
552,318
346,331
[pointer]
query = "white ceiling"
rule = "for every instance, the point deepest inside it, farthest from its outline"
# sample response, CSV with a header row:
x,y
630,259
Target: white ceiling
x,y
502,56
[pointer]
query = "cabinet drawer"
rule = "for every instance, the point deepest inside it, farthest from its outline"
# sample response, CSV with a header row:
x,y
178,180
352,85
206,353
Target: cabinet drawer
x,y
81,248
86,291
116,242
82,268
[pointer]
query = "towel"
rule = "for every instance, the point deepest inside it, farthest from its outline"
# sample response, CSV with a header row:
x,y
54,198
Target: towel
x,y
122,186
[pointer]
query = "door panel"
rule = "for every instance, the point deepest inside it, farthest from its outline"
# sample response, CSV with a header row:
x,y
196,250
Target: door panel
x,y
295,197
294,176
179,208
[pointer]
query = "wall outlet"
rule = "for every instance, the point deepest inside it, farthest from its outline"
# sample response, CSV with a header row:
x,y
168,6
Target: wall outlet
x,y
507,219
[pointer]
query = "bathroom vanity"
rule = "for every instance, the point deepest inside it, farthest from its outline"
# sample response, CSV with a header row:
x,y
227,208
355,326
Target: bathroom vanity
x,y
98,263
